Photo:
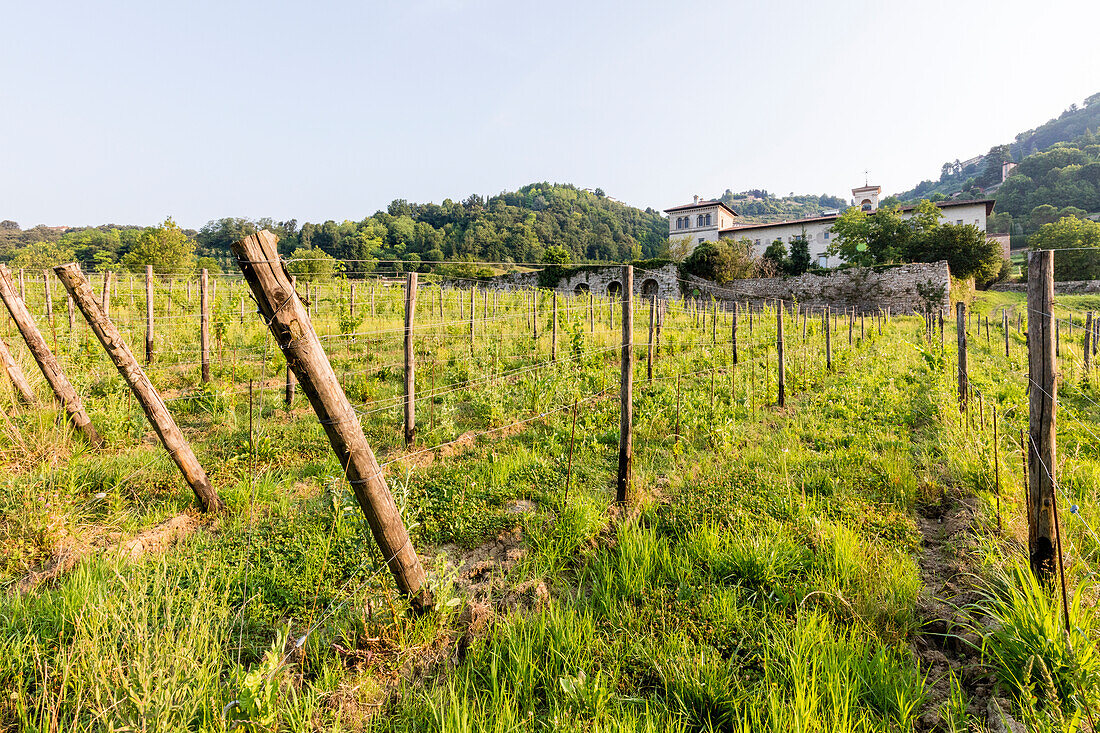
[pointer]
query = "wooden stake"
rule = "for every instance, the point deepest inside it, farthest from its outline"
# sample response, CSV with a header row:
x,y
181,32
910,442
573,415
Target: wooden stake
x,y
780,371
652,324
828,340
960,328
626,411
410,359
1087,348
204,325
1043,401
147,396
290,324
46,361
997,466
554,337
106,299
150,342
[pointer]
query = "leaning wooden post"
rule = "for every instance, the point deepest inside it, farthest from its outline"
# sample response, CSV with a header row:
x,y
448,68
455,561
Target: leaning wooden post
x,y
1043,403
204,324
626,388
652,324
410,359
150,343
18,379
46,361
782,387
960,329
159,417
285,315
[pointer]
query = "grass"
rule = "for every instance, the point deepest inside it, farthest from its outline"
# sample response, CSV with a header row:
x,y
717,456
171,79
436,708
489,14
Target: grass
x,y
765,577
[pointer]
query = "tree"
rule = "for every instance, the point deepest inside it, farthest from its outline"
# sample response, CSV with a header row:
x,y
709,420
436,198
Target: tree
x,y
968,251
776,257
882,236
800,259
41,255
165,247
721,261
313,264
1081,237
209,264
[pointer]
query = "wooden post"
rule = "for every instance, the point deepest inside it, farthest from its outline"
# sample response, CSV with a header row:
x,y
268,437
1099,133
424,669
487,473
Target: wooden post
x,y
591,312
351,302
290,381
652,324
1004,326
46,361
851,324
106,299
290,324
150,343
714,322
554,337
1088,336
372,299
473,304
828,340
204,324
733,332
1043,402
71,313
22,289
159,417
242,309
18,379
48,295
626,385
997,466
960,328
782,386
410,359
535,312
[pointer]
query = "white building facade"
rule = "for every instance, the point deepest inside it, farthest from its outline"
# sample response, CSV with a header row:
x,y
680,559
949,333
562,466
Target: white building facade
x,y
817,230
701,221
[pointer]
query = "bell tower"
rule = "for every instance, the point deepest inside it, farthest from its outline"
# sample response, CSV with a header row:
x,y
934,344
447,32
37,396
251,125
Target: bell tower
x,y
866,197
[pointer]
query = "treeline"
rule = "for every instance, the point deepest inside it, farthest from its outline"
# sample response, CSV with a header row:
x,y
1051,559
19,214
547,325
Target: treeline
x,y
759,205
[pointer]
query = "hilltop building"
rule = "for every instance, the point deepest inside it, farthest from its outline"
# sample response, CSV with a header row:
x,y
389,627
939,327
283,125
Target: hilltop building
x,y
707,221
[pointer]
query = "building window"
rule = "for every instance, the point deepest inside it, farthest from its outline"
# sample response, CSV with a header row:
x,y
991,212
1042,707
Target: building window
x,y
708,220
959,222
699,220
826,234
756,242
702,239
822,261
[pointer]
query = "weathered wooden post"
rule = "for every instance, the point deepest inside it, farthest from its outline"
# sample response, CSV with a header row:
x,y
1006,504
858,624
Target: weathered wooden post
x,y
150,343
46,361
1088,336
535,312
410,359
106,297
351,301
591,312
204,324
851,323
147,396
828,340
781,372
473,304
554,338
652,324
71,313
733,332
287,318
960,328
48,295
1043,406
1004,327
997,466
626,387
22,289
18,379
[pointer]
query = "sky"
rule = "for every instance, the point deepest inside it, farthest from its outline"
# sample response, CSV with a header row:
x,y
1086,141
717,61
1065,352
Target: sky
x,y
130,112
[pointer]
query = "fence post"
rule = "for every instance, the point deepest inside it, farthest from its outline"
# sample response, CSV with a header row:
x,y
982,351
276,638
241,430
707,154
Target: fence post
x,y
828,339
626,385
851,323
473,306
351,301
290,325
1043,406
782,386
22,386
410,358
71,313
150,344
733,332
591,312
652,323
106,299
159,417
535,312
22,289
204,324
960,328
1087,343
554,337
46,361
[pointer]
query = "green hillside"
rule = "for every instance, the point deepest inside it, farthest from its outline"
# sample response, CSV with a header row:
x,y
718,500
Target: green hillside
x,y
759,205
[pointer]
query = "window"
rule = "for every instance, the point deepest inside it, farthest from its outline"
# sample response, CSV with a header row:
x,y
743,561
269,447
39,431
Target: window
x,y
826,234
756,242
708,220
702,239
822,261
699,220
959,222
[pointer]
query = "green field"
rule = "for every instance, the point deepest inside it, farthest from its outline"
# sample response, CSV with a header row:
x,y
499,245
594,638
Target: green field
x,y
842,563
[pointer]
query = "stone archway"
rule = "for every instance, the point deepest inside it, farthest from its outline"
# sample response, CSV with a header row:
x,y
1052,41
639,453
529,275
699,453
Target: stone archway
x,y
649,286
581,289
614,287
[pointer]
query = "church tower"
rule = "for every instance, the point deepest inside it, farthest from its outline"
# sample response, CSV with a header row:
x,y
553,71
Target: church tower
x,y
866,197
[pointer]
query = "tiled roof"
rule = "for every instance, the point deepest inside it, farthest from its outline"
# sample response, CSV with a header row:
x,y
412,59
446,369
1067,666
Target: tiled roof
x,y
941,204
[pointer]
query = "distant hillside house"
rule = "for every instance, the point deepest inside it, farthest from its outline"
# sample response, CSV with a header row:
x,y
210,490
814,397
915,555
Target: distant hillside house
x,y
707,221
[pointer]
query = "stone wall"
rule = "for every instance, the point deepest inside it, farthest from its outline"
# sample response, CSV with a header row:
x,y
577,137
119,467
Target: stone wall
x,y
867,290
1067,287
661,281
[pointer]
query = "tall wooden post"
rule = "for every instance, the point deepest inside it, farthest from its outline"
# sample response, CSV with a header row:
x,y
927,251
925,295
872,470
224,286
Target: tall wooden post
x,y
782,387
150,343
18,379
71,313
1004,326
410,359
204,324
554,338
289,323
960,328
147,396
652,324
351,302
591,312
1043,404
22,289
48,295
733,332
535,312
828,340
46,361
851,324
473,304
626,390
1087,343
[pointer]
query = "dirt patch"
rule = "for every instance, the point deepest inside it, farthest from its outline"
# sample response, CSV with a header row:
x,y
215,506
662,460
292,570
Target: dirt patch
x,y
482,570
160,537
945,642
462,444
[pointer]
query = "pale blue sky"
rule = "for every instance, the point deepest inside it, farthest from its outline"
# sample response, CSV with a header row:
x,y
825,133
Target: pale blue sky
x,y
128,112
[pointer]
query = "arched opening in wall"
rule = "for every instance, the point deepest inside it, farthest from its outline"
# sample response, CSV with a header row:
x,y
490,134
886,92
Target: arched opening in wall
x,y
614,288
649,286
865,205
581,289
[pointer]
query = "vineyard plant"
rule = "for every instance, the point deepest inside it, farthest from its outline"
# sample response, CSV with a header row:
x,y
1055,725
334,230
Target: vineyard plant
x,y
854,560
